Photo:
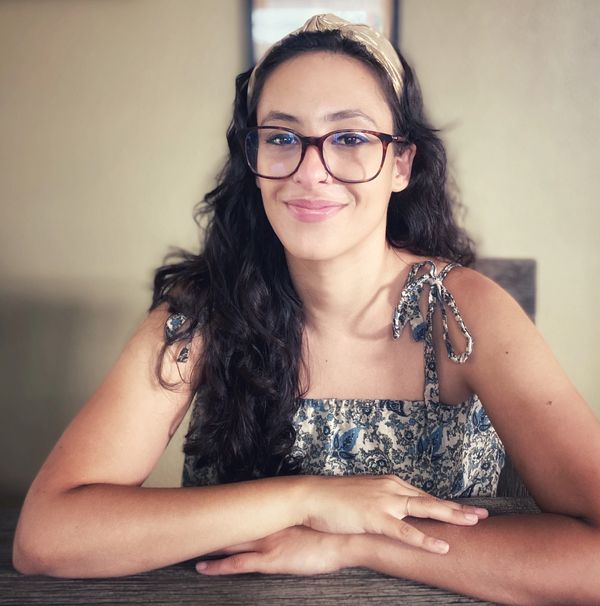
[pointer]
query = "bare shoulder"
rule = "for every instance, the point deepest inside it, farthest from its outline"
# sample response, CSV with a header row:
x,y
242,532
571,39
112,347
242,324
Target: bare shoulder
x,y
485,305
505,339
471,285
526,393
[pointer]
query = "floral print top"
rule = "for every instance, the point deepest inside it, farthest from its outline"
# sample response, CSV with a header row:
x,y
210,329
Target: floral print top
x,y
449,451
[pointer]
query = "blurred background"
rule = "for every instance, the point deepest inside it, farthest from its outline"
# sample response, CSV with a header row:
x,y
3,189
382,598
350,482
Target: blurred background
x,y
112,123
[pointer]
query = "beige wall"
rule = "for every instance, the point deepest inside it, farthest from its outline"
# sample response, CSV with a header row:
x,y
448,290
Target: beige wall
x,y
514,85
112,116
112,123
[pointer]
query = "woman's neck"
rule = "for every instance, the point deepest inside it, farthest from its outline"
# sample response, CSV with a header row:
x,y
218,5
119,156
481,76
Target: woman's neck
x,y
352,294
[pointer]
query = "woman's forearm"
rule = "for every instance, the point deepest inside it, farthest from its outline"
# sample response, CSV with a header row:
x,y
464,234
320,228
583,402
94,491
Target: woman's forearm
x,y
111,530
524,559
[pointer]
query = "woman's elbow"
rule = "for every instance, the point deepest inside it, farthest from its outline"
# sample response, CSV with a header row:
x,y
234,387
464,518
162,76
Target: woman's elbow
x,y
34,551
29,557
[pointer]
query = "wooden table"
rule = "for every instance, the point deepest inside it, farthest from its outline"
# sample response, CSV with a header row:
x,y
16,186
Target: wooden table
x,y
180,584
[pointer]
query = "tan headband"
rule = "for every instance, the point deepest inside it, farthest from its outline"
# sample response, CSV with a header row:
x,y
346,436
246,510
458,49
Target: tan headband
x,y
378,46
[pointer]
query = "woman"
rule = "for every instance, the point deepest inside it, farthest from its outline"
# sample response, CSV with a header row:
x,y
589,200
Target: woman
x,y
330,219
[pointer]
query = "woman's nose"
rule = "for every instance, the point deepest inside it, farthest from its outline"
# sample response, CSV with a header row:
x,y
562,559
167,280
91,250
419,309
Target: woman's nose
x,y
311,169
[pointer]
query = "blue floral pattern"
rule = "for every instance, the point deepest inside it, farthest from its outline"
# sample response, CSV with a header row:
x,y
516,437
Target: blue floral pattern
x,y
447,450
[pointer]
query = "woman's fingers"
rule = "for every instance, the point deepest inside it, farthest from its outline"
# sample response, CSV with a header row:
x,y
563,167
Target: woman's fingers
x,y
403,531
443,511
240,563
250,546
435,509
480,512
378,505
413,491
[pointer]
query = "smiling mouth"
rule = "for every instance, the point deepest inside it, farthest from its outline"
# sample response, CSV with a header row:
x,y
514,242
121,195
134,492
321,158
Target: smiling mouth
x,y
314,204
311,211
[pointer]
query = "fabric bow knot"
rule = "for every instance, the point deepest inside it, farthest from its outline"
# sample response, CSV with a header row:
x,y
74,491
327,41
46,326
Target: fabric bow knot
x,y
408,309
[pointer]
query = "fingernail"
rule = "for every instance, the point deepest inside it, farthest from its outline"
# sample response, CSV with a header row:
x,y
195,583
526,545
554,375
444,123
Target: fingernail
x,y
471,517
441,546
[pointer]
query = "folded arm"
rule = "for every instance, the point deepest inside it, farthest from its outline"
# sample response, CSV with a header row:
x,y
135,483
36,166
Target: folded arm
x,y
554,440
552,437
87,514
521,559
514,559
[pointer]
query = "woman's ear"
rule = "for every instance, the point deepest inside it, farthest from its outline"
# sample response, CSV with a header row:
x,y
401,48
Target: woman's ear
x,y
402,168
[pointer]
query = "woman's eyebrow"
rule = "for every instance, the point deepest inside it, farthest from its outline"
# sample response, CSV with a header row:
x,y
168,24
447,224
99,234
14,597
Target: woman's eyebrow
x,y
347,114
276,115
344,114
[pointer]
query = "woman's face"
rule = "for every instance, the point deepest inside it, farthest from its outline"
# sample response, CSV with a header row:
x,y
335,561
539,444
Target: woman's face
x,y
315,216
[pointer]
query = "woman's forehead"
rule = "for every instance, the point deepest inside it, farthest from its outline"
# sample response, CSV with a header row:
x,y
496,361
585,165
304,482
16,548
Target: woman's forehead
x,y
329,86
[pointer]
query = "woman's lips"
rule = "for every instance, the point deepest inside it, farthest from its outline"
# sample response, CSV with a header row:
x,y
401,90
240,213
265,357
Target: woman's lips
x,y
312,211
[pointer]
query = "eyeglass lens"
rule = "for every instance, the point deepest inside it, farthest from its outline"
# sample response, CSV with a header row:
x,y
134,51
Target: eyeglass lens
x,y
348,155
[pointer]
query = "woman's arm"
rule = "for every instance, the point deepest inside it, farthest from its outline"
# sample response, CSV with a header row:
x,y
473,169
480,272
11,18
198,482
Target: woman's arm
x,y
554,440
552,437
524,559
86,514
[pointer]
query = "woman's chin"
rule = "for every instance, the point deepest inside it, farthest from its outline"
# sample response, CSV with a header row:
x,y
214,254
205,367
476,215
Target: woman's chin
x,y
317,252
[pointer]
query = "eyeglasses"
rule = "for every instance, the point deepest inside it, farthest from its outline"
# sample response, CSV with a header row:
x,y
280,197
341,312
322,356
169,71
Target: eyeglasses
x,y
350,156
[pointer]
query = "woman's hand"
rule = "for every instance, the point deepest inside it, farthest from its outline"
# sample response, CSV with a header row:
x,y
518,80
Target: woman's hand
x,y
378,505
295,550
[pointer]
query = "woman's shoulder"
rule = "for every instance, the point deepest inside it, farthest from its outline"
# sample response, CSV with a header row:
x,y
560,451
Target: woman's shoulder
x,y
500,330
489,313
479,296
178,348
467,284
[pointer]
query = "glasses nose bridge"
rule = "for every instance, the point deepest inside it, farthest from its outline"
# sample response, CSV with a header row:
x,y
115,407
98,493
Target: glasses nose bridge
x,y
313,142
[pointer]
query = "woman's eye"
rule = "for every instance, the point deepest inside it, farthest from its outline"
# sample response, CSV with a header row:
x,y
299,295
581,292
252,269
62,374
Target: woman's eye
x,y
282,139
350,139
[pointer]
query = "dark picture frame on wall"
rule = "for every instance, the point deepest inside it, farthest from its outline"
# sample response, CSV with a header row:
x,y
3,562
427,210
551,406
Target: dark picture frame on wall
x,y
270,20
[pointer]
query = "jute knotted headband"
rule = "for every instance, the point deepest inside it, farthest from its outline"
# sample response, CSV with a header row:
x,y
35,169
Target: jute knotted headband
x,y
378,46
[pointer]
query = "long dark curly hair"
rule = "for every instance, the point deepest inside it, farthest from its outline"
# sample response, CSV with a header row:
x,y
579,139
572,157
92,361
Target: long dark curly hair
x,y
237,294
